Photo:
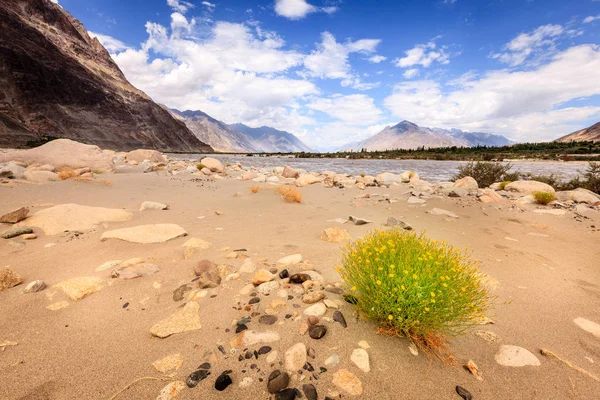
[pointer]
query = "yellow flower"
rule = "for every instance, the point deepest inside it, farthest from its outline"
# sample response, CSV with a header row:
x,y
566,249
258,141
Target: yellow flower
x,y
379,282
353,287
426,309
392,275
433,300
380,268
444,284
432,294
415,276
390,317
403,288
392,266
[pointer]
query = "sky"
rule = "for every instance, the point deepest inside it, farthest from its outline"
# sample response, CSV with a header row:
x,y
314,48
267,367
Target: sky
x,y
338,71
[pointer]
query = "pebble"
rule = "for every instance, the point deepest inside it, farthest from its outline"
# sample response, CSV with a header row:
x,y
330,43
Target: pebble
x,y
515,356
277,381
29,236
264,350
332,360
310,391
348,382
262,276
246,382
196,377
254,300
313,320
358,221
267,319
464,393
223,381
317,310
339,318
317,331
179,293
295,357
268,287
363,345
360,358
331,304
287,394
35,286
284,274
171,390
299,278
313,297
272,356
291,259
16,231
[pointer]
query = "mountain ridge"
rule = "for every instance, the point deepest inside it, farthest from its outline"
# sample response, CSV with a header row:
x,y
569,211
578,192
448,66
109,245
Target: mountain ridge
x,y
591,133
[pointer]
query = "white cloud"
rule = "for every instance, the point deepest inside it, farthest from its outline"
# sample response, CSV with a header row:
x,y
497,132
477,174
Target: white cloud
x,y
377,59
411,73
424,55
522,46
209,4
110,43
298,9
449,1
525,105
330,59
54,1
354,109
591,18
180,5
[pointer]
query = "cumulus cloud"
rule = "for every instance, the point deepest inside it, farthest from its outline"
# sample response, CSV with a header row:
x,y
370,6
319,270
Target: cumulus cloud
x,y
298,9
110,43
377,59
354,109
525,105
591,18
180,5
522,46
411,73
423,55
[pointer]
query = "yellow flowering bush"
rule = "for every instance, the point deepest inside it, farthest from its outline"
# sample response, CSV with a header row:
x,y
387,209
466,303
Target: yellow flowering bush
x,y
414,286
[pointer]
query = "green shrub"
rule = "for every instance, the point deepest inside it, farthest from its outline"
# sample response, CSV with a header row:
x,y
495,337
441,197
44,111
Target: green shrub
x,y
543,197
200,166
414,286
485,173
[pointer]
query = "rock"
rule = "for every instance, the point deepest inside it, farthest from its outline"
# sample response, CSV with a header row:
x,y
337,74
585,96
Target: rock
x,y
171,362
335,235
151,205
156,233
248,266
313,297
213,164
473,369
579,195
313,320
488,336
289,172
489,196
331,304
14,216
458,192
141,155
267,287
332,360
318,310
348,382
360,358
197,243
9,279
29,236
246,382
409,176
179,293
392,222
262,276
525,200
204,266
78,288
528,187
135,271
249,338
196,377
223,381
208,280
339,318
317,331
35,286
307,179
248,175
277,381
171,390
183,320
515,356
12,170
287,394
40,176
439,211
291,259
388,178
415,200
16,231
588,326
299,278
64,153
74,217
363,344
295,357
267,319
358,221
310,391
284,274
464,393
467,183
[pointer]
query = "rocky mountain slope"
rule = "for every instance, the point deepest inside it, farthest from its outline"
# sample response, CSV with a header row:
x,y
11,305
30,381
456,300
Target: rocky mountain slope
x,y
591,133
271,140
407,135
55,80
219,135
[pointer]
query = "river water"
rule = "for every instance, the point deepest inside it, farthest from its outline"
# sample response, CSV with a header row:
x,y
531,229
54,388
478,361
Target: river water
x,y
431,170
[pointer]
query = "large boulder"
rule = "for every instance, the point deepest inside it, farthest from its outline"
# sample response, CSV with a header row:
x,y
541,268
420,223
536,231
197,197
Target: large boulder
x,y
289,172
307,179
14,216
387,178
64,153
467,183
409,176
579,195
143,154
213,164
529,187
12,170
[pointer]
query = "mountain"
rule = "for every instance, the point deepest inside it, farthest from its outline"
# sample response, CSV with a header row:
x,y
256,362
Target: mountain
x,y
591,133
219,135
55,80
271,140
477,138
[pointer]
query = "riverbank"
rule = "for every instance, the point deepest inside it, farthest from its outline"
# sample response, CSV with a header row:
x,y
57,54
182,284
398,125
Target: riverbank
x,y
541,262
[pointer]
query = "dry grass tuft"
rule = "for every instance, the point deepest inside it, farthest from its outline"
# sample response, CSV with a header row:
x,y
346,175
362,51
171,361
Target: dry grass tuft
x,y
289,194
254,189
543,197
66,173
86,179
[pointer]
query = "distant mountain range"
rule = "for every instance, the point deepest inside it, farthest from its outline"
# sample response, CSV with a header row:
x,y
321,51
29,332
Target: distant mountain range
x,y
239,138
591,133
407,135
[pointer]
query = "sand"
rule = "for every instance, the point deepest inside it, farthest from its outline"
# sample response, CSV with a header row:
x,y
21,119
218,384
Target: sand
x,y
543,269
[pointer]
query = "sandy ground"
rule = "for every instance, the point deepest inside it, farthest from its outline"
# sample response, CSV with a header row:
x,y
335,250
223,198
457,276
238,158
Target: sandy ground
x,y
95,347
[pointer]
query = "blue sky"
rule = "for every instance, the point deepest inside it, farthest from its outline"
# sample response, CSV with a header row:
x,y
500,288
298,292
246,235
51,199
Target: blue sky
x,y
338,71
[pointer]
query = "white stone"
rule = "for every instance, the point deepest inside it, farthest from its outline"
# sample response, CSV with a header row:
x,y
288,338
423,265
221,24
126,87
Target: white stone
x,y
156,233
152,205
440,211
213,164
295,357
588,326
515,356
291,259
360,358
317,310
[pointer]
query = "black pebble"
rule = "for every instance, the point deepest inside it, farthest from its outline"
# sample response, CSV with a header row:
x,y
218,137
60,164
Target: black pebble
x,y
287,394
195,377
267,319
222,350
241,328
339,317
223,381
310,391
464,393
248,355
317,331
205,365
299,278
254,300
284,274
308,366
277,381
125,305
264,350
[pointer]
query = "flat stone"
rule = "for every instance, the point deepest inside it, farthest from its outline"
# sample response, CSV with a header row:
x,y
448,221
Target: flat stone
x,y
152,205
184,320
335,235
267,319
248,267
171,390
249,338
29,236
310,391
16,231
551,212
262,276
515,356
14,216
332,361
277,381
9,279
391,222
35,286
295,357
588,326
108,265
171,362
135,271
331,304
78,288
360,358
348,382
339,318
156,233
415,200
358,220
313,297
291,259
440,211
317,310
74,217
267,287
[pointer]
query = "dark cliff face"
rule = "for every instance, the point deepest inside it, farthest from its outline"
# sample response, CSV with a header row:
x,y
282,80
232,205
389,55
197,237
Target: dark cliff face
x,y
57,81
